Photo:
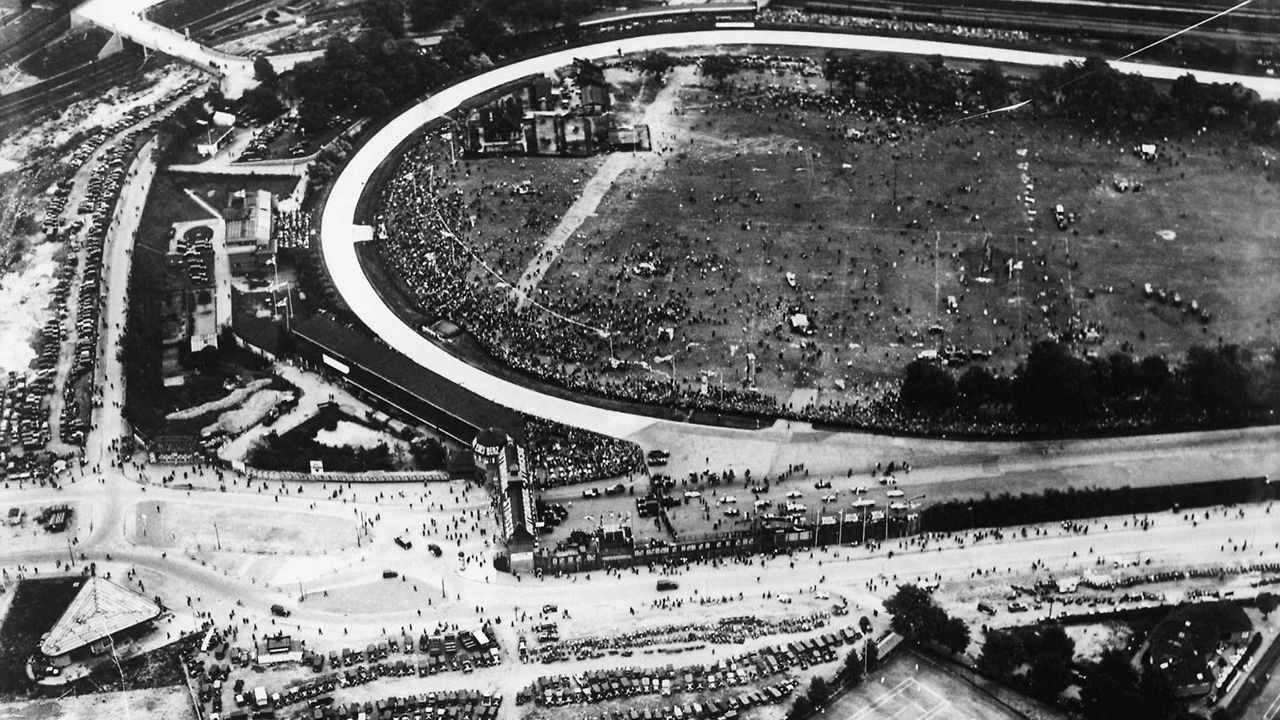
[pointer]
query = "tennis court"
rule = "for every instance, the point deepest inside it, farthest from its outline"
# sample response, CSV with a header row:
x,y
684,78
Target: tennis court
x,y
910,687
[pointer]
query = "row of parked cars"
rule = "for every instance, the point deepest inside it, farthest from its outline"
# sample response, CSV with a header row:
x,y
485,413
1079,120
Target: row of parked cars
x,y
23,422
448,705
728,708
746,669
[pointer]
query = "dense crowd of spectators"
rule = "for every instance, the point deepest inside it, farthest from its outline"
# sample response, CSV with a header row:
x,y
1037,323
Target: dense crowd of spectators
x,y
620,339
895,27
293,230
572,455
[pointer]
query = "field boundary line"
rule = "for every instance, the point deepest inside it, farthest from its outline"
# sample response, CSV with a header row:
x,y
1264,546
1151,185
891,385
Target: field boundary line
x,y
946,668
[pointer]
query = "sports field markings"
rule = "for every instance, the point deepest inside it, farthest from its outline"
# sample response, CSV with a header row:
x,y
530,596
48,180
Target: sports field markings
x,y
903,702
1273,710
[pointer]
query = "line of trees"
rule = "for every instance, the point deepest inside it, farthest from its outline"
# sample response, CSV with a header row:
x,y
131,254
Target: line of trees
x,y
1055,388
1053,505
1036,659
1089,93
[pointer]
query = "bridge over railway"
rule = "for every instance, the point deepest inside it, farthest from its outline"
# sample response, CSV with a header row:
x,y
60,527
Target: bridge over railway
x,y
125,19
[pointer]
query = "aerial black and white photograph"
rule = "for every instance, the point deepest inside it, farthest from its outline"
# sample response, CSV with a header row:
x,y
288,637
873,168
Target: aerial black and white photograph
x,y
639,359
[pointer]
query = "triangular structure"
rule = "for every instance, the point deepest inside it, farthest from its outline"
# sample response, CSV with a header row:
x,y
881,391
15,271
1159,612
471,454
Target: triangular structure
x,y
101,608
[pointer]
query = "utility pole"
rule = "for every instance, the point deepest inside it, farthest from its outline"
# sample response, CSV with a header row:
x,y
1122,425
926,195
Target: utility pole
x,y
936,291
217,536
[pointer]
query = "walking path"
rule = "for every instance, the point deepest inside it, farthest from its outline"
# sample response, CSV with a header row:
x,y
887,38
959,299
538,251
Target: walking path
x,y
600,184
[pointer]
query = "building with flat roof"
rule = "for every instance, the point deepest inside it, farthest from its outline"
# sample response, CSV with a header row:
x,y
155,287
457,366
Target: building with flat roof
x,y
100,612
249,217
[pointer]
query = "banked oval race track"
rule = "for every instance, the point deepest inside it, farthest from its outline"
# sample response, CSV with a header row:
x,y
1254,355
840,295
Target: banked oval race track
x,y
1206,455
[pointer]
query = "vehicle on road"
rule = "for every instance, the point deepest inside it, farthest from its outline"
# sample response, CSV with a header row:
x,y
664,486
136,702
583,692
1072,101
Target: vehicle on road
x,y
664,585
280,611
404,543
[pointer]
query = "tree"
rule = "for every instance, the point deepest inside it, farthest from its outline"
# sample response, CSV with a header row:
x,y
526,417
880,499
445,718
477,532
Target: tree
x,y
314,117
800,708
819,691
1110,691
927,385
425,14
263,71
852,667
1216,379
1124,378
261,103
978,387
456,52
1002,653
1049,675
484,30
954,635
386,15
428,454
1054,385
916,617
656,64
1267,603
1155,374
718,68
989,84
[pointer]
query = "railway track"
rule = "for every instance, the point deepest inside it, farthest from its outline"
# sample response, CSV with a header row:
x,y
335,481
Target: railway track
x,y
69,87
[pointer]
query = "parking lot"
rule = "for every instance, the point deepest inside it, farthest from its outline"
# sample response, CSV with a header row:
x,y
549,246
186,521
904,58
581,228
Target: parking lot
x,y
705,503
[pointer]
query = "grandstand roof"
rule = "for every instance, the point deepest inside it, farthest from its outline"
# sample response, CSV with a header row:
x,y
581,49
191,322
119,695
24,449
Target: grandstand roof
x,y
101,608
375,358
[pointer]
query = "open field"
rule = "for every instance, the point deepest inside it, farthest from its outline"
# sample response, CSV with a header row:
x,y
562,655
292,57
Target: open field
x,y
189,525
761,204
172,703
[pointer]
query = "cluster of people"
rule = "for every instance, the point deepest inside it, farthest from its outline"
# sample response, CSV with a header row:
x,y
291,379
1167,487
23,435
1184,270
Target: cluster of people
x,y
293,230
791,16
572,455
668,308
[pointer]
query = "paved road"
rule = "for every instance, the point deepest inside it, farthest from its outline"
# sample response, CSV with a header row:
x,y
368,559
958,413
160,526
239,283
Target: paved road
x,y
125,17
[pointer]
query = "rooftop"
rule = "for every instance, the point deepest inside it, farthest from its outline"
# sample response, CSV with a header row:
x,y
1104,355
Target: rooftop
x,y
101,608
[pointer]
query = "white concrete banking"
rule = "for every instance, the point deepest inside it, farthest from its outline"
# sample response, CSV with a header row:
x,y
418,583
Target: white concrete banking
x,y
339,234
